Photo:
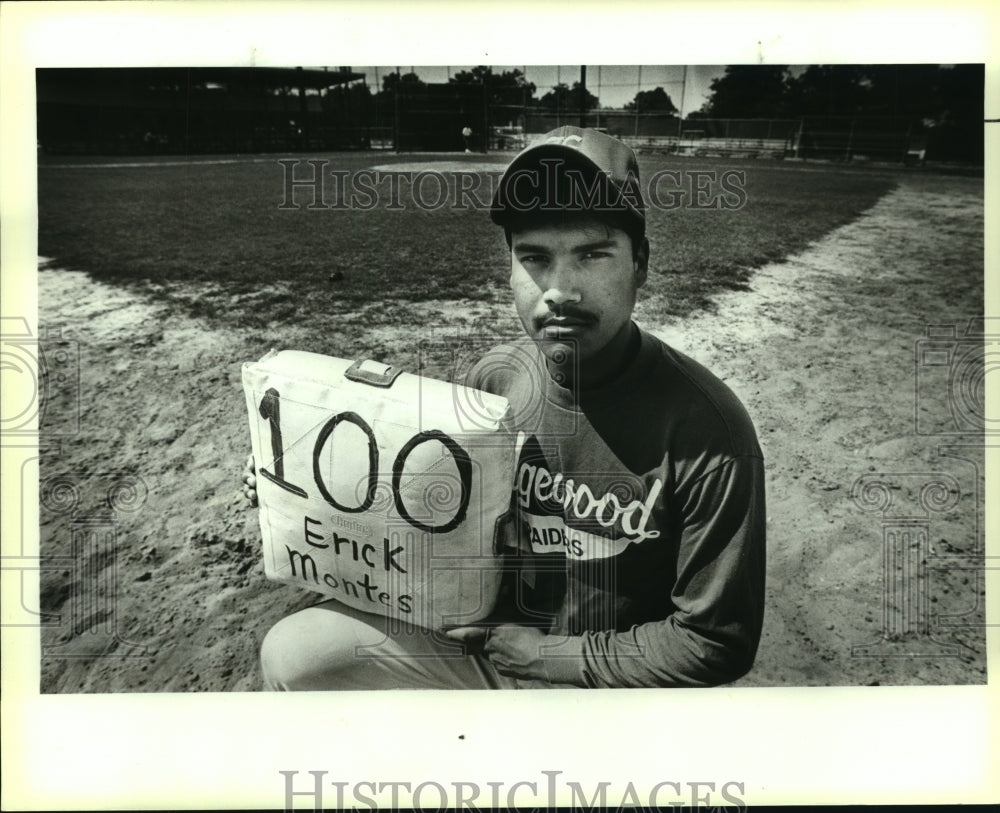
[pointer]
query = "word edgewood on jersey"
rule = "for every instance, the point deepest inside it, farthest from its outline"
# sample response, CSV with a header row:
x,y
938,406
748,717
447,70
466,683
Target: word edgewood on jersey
x,y
375,490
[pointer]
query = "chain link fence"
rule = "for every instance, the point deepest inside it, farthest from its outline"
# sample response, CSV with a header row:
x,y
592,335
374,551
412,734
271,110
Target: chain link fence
x,y
124,111
431,118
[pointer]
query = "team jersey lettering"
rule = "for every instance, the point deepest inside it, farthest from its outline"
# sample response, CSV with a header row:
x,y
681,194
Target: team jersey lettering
x,y
549,534
537,486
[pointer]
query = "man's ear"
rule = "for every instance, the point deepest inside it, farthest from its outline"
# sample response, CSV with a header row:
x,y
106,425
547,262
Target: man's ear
x,y
641,263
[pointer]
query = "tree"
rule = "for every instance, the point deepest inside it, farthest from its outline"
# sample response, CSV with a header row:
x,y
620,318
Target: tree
x,y
650,101
748,91
506,87
563,97
393,80
961,89
958,127
828,90
905,90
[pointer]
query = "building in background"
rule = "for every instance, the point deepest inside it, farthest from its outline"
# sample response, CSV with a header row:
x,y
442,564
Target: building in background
x,y
125,111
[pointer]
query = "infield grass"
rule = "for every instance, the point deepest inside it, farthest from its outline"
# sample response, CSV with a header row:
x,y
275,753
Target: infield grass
x,y
164,226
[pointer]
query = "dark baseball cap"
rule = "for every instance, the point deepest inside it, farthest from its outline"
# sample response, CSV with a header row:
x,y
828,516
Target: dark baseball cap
x,y
571,169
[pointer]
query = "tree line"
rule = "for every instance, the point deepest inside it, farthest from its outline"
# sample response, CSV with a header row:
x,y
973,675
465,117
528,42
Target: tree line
x,y
931,94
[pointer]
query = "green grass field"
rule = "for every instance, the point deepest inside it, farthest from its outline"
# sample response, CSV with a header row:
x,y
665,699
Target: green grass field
x,y
165,226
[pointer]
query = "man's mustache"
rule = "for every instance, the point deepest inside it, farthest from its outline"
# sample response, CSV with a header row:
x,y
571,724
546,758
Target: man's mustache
x,y
564,314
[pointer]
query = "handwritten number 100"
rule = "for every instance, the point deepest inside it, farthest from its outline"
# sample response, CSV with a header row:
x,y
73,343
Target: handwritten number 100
x,y
270,409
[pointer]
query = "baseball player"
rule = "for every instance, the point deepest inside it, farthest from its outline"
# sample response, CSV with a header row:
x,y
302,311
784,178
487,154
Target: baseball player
x,y
639,533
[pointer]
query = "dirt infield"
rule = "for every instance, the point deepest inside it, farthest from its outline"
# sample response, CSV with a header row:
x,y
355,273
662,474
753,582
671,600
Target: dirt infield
x,y
821,350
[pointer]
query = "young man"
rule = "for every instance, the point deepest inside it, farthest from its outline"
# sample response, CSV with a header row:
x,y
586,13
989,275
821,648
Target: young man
x,y
639,493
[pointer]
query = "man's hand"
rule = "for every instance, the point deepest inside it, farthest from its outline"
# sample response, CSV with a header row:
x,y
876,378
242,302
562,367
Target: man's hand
x,y
250,482
511,648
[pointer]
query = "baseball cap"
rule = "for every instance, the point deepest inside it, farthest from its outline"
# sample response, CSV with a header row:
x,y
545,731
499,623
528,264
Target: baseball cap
x,y
571,169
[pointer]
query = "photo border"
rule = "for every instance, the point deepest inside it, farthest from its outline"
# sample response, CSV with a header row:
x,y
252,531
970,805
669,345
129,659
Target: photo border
x,y
836,745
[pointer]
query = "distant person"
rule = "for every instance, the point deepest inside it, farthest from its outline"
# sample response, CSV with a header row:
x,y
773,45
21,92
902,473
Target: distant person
x,y
638,545
467,138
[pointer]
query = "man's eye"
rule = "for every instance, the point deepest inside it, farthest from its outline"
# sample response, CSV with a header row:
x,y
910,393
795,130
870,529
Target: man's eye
x,y
533,259
596,255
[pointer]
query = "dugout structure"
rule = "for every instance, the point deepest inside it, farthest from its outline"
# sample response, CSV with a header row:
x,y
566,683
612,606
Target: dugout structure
x,y
180,111
135,111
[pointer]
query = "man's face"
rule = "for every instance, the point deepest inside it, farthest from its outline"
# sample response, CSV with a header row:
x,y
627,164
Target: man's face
x,y
574,285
